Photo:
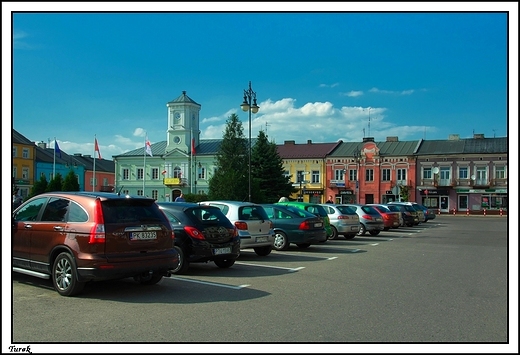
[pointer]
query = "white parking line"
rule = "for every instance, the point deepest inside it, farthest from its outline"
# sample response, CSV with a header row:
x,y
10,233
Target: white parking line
x,y
273,267
208,283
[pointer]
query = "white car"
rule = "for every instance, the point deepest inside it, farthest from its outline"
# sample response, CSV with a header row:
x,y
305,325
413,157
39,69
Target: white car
x,y
254,227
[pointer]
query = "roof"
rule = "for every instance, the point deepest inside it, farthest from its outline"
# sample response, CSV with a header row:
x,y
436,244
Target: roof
x,y
463,146
19,138
183,99
346,149
309,150
46,155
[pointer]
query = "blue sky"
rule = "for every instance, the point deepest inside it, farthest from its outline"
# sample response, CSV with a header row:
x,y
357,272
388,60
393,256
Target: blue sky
x,y
318,76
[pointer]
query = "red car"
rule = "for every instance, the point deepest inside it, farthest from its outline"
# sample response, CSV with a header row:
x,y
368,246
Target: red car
x,y
390,219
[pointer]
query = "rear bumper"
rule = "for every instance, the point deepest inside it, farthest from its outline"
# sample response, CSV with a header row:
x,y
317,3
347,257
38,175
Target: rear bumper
x,y
256,241
206,252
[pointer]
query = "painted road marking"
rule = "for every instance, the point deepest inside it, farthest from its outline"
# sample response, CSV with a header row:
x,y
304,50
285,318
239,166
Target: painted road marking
x,y
208,283
273,267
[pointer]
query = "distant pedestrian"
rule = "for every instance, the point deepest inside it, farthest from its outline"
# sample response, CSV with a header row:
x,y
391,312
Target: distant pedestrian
x,y
329,200
180,198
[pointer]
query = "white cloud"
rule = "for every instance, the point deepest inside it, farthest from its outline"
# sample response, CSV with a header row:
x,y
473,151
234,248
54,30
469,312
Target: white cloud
x,y
404,92
352,93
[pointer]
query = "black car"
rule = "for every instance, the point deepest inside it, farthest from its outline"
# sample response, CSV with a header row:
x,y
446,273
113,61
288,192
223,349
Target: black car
x,y
202,234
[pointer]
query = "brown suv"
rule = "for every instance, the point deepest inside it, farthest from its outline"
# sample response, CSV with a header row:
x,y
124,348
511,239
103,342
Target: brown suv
x,y
75,237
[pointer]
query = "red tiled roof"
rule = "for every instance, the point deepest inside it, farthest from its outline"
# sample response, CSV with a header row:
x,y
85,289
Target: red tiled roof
x,y
309,150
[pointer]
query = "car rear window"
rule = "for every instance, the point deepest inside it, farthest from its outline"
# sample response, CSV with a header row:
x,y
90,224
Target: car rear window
x,y
369,210
131,210
346,210
252,213
317,210
383,209
393,208
207,216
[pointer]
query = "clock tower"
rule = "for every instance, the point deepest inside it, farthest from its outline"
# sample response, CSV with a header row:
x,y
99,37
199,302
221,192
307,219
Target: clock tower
x,y
183,124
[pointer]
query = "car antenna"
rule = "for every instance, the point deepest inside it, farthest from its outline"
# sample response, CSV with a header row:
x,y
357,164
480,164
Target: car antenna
x,y
119,192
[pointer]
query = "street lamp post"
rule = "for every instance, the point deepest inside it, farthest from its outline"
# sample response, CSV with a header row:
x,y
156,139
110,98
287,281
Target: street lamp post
x,y
357,156
249,95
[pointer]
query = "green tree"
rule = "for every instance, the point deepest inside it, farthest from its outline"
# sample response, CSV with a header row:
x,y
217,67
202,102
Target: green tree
x,y
39,186
55,184
230,181
268,172
71,182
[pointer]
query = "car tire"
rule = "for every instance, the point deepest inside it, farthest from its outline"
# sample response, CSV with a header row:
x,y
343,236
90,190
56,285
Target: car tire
x,y
263,251
349,236
374,232
334,234
303,245
281,242
65,275
148,279
224,264
362,229
183,265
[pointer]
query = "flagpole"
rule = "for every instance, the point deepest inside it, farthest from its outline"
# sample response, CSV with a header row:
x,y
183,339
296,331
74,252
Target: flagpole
x,y
94,171
191,162
54,163
144,163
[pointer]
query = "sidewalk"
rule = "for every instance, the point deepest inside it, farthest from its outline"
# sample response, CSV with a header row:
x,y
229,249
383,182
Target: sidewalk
x,y
493,213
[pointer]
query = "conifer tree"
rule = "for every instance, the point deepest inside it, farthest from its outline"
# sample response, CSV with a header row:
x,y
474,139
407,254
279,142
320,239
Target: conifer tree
x,y
55,184
71,182
40,186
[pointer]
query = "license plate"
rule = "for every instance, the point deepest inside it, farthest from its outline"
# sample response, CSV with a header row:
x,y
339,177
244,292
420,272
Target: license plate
x,y
261,239
143,235
221,251
354,228
318,225
379,219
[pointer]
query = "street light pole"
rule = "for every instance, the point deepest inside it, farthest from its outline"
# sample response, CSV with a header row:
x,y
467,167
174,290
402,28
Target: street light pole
x,y
249,95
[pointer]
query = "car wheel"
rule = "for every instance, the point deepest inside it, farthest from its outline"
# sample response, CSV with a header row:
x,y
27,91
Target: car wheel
x,y
362,229
64,276
303,245
263,251
334,234
183,265
148,278
386,228
224,264
280,241
349,236
374,232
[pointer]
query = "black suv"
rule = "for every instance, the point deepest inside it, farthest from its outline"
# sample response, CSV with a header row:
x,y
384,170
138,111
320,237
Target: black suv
x,y
202,233
75,237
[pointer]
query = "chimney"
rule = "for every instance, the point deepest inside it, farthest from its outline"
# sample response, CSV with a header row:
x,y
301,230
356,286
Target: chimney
x,y
288,142
478,136
368,139
42,144
309,141
392,139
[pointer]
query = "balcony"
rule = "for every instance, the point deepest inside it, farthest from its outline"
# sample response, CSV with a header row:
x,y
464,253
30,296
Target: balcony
x,y
481,183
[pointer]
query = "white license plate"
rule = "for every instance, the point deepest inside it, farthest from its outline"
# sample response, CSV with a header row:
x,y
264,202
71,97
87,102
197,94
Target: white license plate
x,y
354,228
261,239
318,225
221,251
143,235
379,219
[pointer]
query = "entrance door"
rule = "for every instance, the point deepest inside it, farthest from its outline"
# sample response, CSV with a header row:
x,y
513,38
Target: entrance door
x,y
444,204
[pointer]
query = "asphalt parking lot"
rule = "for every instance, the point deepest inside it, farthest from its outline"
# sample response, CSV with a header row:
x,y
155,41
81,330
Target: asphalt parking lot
x,y
445,281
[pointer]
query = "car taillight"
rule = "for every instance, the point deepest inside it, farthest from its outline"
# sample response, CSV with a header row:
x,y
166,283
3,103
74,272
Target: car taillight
x,y
304,225
97,232
343,217
194,232
385,216
173,235
241,225
233,232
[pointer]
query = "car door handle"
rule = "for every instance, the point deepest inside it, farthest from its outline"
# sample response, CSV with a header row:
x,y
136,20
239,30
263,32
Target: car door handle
x,y
58,228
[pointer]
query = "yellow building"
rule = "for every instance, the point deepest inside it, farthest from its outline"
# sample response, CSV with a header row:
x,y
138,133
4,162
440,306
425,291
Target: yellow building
x,y
24,153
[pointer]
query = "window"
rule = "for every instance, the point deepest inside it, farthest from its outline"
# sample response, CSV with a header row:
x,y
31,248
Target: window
x,y
385,175
286,173
299,176
369,175
14,171
93,182
140,173
481,176
139,192
401,175
126,174
463,172
445,173
315,177
25,153
105,181
201,172
427,173
15,152
155,173
155,193
500,172
339,174
177,173
25,173
352,175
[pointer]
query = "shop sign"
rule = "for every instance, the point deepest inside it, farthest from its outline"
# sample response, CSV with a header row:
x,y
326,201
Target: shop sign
x,y
346,192
313,192
435,192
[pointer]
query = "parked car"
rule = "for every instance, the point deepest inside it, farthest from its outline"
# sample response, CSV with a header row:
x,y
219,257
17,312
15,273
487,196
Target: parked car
x,y
370,220
420,213
202,234
429,213
411,210
313,208
254,227
397,209
343,220
75,237
294,225
390,219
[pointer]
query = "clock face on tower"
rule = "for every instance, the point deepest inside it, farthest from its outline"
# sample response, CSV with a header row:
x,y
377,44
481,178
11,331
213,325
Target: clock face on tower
x,y
177,116
177,139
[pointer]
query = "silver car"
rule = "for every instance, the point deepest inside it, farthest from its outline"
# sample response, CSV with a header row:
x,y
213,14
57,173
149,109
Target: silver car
x,y
370,220
254,227
343,219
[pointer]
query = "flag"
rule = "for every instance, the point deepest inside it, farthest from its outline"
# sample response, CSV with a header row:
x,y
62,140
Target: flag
x,y
96,148
148,147
57,150
164,172
193,146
